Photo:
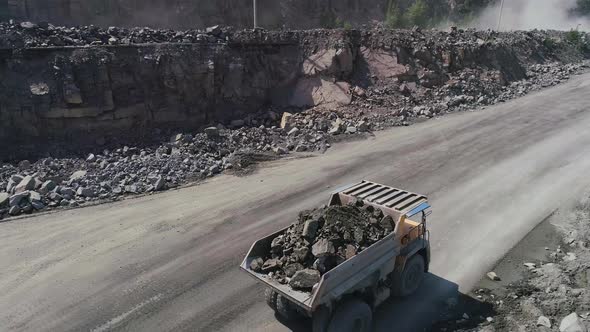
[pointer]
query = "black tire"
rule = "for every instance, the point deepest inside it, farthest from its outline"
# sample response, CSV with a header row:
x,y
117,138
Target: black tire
x,y
271,298
285,308
352,316
411,277
321,320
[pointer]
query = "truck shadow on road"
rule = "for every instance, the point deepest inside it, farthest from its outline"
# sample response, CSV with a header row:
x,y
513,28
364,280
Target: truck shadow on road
x,y
436,306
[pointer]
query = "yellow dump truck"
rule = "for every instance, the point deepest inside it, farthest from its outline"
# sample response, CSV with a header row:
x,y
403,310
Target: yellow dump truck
x,y
345,297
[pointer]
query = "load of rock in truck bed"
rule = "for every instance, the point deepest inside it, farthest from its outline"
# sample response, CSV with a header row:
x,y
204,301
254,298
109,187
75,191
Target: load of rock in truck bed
x,y
320,240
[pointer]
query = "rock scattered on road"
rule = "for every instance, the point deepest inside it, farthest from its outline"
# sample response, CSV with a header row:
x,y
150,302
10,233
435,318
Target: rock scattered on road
x,y
493,276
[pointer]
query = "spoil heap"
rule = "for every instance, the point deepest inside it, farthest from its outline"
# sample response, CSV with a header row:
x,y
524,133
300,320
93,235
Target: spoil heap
x,y
320,240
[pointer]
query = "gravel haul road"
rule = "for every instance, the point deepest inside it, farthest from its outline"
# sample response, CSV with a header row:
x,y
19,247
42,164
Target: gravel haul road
x,y
170,261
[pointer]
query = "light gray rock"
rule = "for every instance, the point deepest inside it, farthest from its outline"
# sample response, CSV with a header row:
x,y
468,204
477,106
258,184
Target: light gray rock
x,y
270,265
55,197
34,196
280,150
301,148
337,127
323,247
12,182
544,321
493,276
27,183
4,199
256,264
293,132
159,183
351,130
572,323
291,269
132,189
305,279
91,158
78,175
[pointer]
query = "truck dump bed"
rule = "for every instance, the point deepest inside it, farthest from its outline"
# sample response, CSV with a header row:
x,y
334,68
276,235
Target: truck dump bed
x,y
367,265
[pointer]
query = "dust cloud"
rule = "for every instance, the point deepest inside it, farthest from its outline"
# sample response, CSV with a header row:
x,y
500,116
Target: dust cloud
x,y
531,14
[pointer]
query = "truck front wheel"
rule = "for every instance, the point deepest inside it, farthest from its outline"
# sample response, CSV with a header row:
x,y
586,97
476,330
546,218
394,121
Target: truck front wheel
x,y
411,277
285,309
352,316
271,298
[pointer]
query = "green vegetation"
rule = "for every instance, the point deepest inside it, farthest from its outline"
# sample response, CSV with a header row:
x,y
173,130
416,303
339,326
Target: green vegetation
x,y
578,39
417,14
393,16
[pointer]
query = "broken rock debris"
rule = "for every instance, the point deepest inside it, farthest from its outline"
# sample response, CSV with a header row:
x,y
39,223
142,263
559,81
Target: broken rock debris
x,y
320,240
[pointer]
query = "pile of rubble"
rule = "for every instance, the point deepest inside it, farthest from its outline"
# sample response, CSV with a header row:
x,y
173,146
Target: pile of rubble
x,y
320,240
400,104
431,84
28,34
112,173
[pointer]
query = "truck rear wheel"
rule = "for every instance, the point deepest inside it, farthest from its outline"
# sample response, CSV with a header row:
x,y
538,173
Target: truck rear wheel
x,y
352,316
411,277
271,298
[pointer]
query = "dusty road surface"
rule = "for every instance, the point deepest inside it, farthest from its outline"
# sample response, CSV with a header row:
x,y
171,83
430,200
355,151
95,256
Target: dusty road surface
x,y
170,261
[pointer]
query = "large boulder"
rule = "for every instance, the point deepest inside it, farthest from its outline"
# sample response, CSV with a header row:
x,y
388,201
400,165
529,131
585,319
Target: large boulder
x,y
16,199
305,279
386,65
78,175
286,121
323,247
12,182
47,186
317,91
27,183
572,323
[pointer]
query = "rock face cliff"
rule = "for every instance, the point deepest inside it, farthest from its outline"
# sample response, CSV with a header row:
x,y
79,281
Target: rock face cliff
x,y
86,85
